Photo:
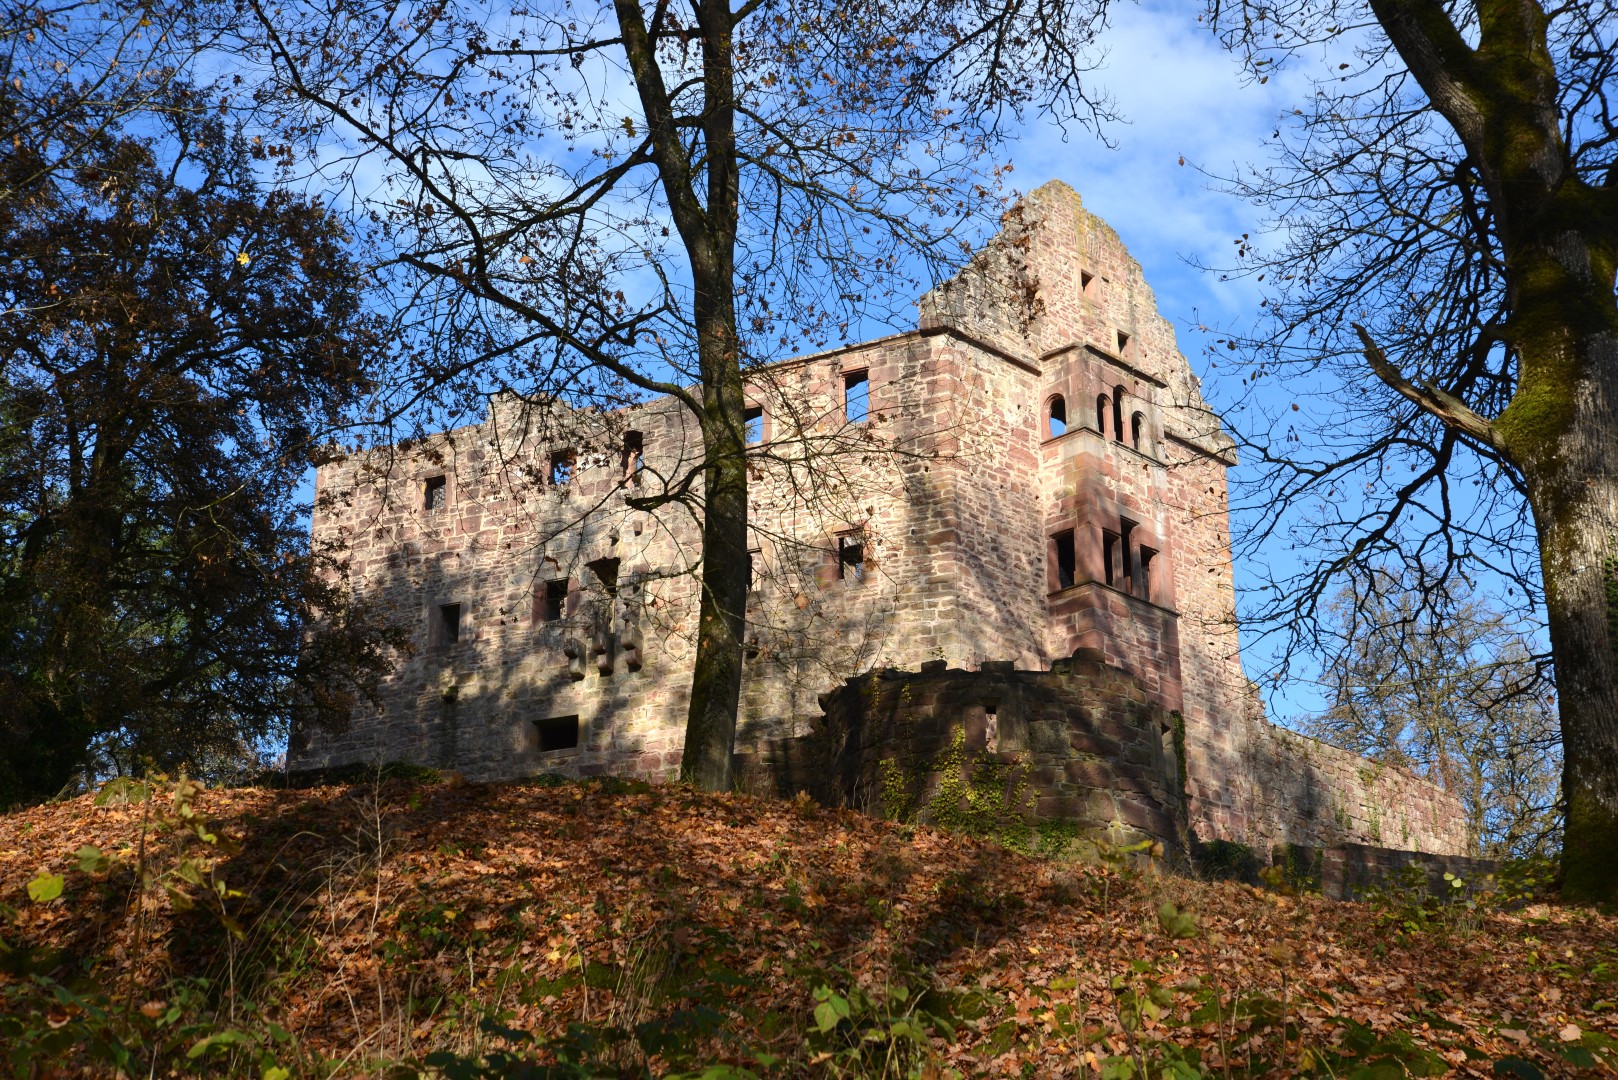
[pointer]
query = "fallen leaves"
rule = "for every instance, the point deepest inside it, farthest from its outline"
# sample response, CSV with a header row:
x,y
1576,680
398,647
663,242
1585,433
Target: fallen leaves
x,y
537,900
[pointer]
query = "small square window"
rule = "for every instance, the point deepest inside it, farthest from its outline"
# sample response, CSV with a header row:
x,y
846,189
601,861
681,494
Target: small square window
x,y
551,601
856,397
851,559
556,733
562,468
1067,561
446,628
753,425
435,493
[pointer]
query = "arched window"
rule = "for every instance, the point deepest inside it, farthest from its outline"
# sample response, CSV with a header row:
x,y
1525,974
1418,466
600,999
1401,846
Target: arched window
x,y
1118,413
1103,406
1058,417
1137,429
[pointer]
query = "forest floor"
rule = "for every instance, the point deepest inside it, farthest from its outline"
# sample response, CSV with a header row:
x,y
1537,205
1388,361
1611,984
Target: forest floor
x,y
612,929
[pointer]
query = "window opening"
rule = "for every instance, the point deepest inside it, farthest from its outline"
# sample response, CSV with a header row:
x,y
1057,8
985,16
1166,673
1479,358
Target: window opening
x,y
1136,423
552,601
1085,278
991,725
562,468
634,450
1058,420
606,572
754,557
753,425
1109,556
1123,342
856,397
557,733
851,558
1125,557
435,493
447,628
1144,581
1118,413
1102,407
1067,561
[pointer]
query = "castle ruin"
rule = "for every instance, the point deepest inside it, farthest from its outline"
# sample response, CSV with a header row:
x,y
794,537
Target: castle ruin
x,y
1007,528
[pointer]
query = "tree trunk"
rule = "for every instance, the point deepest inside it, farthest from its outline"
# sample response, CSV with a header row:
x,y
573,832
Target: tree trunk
x,y
1575,502
710,730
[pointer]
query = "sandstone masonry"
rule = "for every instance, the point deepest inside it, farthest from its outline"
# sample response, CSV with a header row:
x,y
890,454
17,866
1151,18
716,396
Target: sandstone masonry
x,y
1021,504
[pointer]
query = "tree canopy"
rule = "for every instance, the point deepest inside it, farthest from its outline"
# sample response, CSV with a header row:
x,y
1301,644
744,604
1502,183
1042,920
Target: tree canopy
x,y
177,339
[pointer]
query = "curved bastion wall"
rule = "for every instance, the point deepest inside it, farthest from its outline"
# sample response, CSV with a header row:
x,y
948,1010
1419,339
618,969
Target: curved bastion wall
x,y
1022,499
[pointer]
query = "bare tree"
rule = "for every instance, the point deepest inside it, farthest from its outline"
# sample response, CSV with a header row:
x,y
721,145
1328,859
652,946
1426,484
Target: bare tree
x,y
635,199
1445,234
1449,688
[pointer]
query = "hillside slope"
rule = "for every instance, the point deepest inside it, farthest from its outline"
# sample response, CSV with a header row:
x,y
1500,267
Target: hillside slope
x,y
623,929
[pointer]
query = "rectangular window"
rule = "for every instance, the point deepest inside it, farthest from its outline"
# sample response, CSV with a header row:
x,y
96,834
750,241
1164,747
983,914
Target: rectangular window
x,y
435,493
753,425
556,733
1143,584
851,558
1085,279
562,468
1067,561
550,601
634,454
754,557
446,628
1109,556
856,397
1126,557
1123,343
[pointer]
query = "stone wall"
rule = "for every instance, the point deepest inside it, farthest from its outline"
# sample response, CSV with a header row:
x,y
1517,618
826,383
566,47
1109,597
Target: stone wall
x,y
1094,747
1348,871
1082,743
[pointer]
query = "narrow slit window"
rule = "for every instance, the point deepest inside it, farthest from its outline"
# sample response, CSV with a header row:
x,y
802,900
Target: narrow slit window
x,y
851,559
1123,343
1143,582
1118,413
755,558
447,624
1137,428
551,601
634,454
563,466
856,397
1126,558
753,425
1058,416
1067,561
556,733
1109,556
435,493
1103,406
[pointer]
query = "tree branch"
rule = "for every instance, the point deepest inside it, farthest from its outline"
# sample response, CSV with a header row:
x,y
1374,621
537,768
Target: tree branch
x,y
1448,408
